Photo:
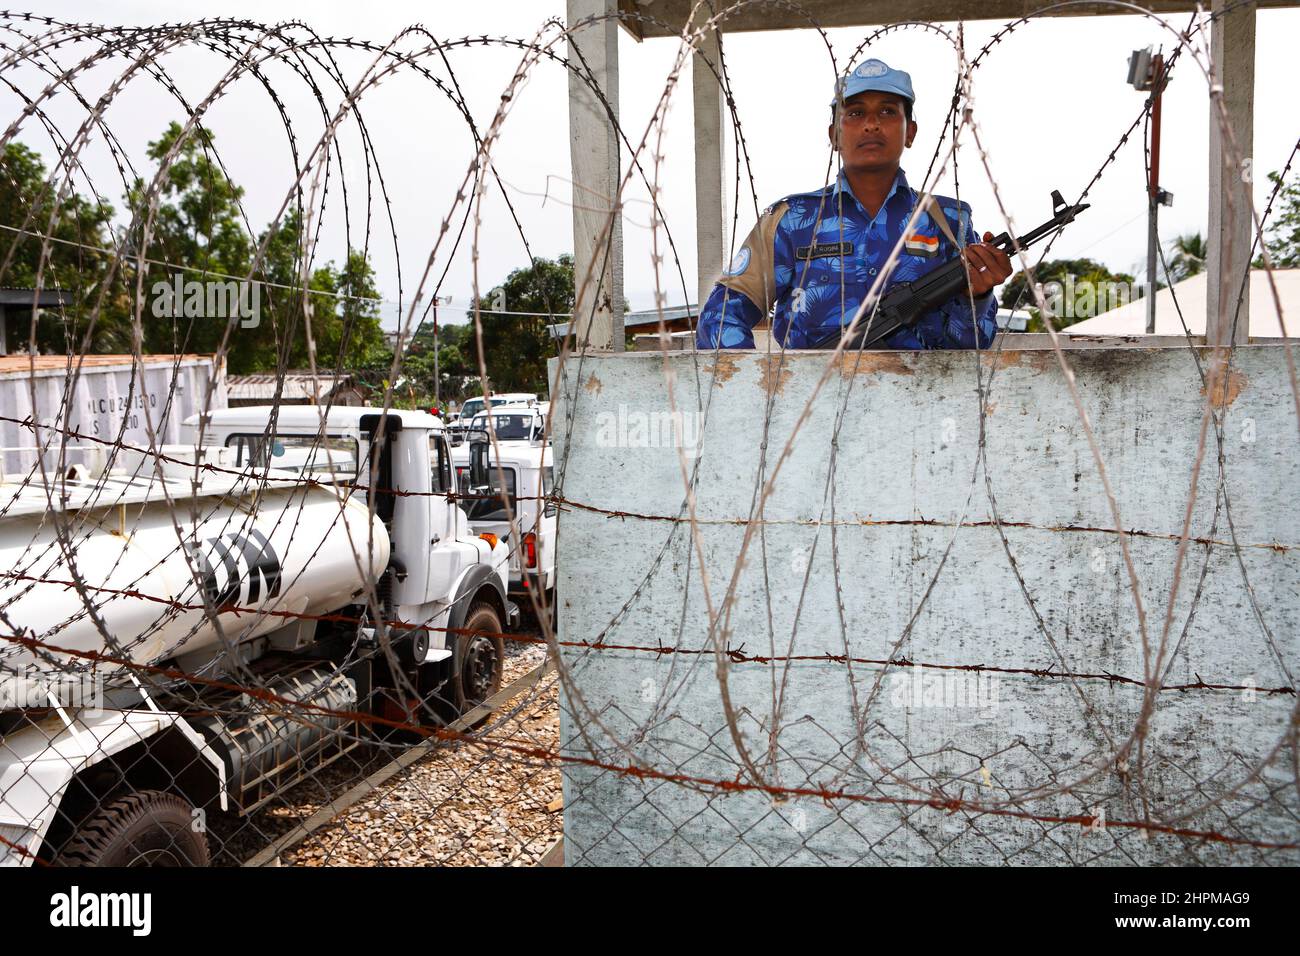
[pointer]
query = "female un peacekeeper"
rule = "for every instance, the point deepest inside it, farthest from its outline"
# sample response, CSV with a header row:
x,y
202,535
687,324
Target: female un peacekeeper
x,y
814,255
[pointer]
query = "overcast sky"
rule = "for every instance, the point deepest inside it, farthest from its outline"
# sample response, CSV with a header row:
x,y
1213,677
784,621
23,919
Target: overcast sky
x,y
1051,103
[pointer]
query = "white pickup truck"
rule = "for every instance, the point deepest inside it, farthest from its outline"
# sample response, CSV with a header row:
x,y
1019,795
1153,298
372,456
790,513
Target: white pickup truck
x,y
459,422
316,554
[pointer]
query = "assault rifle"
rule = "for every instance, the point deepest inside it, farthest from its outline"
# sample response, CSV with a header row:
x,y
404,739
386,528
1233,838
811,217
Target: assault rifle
x,y
903,304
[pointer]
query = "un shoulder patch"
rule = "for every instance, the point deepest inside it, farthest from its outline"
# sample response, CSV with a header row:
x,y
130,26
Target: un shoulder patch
x,y
740,263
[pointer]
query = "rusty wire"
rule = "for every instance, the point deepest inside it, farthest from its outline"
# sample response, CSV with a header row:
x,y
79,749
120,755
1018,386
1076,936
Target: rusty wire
x,y
848,771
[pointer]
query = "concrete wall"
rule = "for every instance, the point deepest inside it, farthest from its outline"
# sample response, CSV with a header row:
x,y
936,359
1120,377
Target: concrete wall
x,y
906,474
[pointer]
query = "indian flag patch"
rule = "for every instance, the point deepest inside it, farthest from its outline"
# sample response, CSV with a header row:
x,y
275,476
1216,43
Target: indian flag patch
x,y
919,245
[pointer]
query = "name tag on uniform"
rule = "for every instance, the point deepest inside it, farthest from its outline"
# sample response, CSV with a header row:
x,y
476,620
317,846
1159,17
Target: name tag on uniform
x,y
824,250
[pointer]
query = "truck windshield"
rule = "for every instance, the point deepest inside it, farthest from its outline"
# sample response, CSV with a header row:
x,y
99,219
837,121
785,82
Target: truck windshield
x,y
508,427
333,457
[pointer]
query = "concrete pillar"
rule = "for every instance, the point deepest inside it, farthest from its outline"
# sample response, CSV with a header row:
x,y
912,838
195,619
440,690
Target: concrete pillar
x,y
1231,228
712,119
593,149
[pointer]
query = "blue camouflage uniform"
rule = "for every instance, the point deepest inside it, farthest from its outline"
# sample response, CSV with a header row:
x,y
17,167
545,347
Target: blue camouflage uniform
x,y
812,258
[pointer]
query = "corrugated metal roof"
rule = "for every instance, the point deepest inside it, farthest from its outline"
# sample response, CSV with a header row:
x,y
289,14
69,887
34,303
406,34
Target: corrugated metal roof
x,y
15,295
23,362
297,385
638,319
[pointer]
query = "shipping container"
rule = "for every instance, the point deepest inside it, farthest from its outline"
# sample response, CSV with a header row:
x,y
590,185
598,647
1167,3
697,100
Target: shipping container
x,y
96,399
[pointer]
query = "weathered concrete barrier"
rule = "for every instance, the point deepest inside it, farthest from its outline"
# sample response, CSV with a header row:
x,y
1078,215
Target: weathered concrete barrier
x,y
951,666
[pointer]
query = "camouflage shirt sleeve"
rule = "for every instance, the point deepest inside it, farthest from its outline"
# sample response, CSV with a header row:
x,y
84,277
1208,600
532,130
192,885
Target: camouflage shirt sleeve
x,y
747,290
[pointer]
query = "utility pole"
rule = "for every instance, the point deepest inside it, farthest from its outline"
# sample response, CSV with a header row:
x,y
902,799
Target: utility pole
x,y
1147,73
437,377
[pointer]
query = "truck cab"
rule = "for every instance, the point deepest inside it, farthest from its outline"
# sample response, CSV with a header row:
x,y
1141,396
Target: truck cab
x,y
474,406
517,468
316,556
400,461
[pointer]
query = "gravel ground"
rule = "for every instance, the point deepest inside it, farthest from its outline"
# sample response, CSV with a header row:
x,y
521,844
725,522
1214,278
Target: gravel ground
x,y
461,805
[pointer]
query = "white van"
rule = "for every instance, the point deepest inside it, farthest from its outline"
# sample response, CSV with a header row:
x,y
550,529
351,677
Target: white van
x,y
511,423
472,406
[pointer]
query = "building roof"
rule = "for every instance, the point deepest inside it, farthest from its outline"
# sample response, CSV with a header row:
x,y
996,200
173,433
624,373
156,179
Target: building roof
x,y
676,317
22,362
298,386
1131,319
666,18
22,298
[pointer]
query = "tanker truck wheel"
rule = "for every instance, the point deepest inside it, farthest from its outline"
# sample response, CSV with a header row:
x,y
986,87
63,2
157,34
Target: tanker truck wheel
x,y
147,828
479,660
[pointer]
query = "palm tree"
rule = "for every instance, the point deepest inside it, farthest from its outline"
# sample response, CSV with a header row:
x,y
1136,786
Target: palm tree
x,y
1187,256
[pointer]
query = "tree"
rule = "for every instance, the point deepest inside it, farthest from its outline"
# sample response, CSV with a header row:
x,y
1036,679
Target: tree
x,y
515,316
1282,237
457,362
1186,256
414,387
197,232
74,266
344,328
516,347
1075,289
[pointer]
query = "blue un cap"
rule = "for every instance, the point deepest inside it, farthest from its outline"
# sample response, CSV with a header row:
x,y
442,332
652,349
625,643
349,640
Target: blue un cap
x,y
876,75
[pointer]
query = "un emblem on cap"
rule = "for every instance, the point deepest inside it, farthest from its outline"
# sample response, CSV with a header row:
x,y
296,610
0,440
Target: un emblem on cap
x,y
874,75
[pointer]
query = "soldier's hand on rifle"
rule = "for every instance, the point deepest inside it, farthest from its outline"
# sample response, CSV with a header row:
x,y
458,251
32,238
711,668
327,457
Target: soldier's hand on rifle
x,y
986,266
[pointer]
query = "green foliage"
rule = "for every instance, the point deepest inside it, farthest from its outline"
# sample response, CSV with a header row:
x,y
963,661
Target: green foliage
x,y
457,362
1186,256
1282,238
415,383
26,203
198,221
517,346
344,325
197,231
1015,295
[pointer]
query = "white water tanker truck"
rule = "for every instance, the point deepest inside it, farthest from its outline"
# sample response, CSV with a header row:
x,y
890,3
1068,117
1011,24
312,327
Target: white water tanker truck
x,y
197,629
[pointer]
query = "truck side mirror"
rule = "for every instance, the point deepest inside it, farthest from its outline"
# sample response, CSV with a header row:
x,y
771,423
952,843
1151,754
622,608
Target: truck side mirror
x,y
478,462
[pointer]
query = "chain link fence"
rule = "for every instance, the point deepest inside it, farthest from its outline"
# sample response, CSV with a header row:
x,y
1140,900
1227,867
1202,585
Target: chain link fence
x,y
276,634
